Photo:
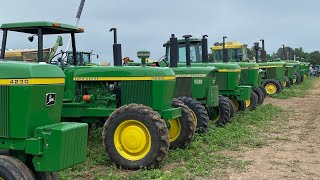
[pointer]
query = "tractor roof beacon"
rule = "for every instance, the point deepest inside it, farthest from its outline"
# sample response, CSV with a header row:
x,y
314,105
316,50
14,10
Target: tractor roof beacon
x,y
136,101
31,97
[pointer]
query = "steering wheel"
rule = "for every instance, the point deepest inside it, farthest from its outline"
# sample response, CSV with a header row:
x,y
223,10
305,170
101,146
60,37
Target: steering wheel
x,y
163,59
60,59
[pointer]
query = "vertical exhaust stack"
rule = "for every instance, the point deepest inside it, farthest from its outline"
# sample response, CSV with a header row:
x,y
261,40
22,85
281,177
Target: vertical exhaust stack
x,y
283,52
187,43
173,51
204,45
117,54
263,52
256,47
289,54
224,50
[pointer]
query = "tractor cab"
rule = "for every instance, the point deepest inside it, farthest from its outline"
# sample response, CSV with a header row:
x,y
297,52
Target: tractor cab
x,y
85,57
31,97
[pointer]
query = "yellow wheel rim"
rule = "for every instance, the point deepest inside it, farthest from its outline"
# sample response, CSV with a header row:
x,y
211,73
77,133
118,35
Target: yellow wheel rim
x,y
284,83
175,129
195,117
294,80
236,103
248,102
1,178
132,140
271,88
305,76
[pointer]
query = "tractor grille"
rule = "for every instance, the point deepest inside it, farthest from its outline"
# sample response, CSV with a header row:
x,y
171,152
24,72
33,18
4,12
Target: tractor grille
x,y
139,92
244,77
183,87
271,73
4,111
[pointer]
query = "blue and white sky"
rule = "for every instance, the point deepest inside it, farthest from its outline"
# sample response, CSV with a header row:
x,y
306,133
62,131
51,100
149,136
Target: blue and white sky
x,y
147,24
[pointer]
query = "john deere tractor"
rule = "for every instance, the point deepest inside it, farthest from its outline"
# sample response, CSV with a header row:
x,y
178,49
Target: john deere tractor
x,y
227,74
134,104
273,79
196,87
251,75
34,142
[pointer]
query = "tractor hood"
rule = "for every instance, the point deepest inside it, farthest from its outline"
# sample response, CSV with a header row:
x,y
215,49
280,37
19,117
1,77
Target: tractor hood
x,y
123,71
272,64
194,71
20,70
248,65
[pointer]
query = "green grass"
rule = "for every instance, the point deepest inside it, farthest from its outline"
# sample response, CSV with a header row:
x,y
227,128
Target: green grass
x,y
207,153
296,90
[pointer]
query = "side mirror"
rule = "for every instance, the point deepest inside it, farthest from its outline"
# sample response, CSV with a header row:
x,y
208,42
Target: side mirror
x,y
31,38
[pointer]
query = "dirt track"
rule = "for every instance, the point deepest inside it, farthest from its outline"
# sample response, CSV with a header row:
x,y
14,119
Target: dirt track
x,y
294,150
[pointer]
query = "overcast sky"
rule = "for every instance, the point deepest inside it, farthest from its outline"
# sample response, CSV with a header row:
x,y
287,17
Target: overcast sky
x,y
147,24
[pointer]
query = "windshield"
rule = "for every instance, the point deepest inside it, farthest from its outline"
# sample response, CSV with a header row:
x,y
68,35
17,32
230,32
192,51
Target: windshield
x,y
233,54
218,55
85,57
195,52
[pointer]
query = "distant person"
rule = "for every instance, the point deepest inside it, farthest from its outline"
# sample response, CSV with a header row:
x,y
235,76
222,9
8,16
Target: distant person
x,y
310,71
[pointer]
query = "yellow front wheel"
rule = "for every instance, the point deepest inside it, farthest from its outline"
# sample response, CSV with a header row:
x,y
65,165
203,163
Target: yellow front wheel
x,y
248,102
272,86
132,140
135,136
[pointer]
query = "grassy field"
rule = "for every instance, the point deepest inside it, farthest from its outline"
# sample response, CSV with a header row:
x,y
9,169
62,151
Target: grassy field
x,y
296,90
207,153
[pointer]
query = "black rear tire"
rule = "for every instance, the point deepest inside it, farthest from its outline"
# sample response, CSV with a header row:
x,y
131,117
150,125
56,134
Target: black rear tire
x,y
187,127
288,83
12,169
149,125
263,90
200,112
298,81
46,176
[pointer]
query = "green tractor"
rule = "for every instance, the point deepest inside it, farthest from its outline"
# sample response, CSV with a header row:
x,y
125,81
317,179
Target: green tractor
x,y
293,72
273,78
134,105
251,75
34,142
196,87
227,74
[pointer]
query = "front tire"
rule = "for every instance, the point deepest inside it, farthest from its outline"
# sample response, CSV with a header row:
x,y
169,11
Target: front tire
x,y
12,169
260,96
182,129
231,107
253,102
135,136
223,112
272,86
200,112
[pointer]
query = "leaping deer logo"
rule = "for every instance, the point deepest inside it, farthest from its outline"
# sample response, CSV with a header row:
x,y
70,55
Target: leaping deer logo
x,y
50,99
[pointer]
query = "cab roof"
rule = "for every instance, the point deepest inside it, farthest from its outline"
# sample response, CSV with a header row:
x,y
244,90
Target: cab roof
x,y
228,45
48,27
